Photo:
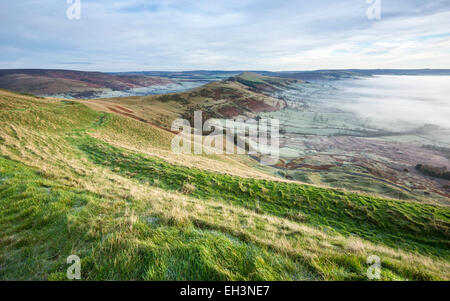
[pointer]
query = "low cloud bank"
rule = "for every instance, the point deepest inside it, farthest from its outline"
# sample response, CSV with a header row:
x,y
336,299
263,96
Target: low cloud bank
x,y
399,102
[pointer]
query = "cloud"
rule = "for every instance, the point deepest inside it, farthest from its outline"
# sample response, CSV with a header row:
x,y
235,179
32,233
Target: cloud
x,y
201,34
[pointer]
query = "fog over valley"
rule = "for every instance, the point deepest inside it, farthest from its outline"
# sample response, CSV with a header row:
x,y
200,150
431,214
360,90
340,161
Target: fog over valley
x,y
398,101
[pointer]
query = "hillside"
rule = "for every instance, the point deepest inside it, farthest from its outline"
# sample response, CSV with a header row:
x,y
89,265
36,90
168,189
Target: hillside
x,y
73,83
224,99
107,188
265,84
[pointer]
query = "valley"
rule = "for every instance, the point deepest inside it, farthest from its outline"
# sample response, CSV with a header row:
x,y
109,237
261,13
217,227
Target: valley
x,y
323,142
98,178
337,137
198,146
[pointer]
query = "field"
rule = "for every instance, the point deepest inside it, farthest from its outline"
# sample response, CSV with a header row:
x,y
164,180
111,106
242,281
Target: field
x,y
106,187
338,140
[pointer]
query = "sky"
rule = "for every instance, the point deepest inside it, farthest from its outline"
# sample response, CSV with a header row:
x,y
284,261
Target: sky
x,y
175,35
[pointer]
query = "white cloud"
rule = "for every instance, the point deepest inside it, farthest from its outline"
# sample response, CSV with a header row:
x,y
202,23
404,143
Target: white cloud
x,y
247,34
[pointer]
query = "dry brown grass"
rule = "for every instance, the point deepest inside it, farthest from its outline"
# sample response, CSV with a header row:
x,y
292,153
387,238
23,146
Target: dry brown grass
x,y
56,159
227,164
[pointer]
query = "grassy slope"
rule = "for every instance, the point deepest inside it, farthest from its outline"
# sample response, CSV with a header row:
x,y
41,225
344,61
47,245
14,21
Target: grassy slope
x,y
64,190
214,99
263,83
396,223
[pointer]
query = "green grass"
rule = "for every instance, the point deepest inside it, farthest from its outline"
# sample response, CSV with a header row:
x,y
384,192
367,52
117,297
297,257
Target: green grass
x,y
63,192
408,225
253,80
42,223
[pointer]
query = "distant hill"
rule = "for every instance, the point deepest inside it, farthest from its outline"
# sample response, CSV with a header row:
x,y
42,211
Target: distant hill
x,y
81,84
243,95
189,75
351,73
261,83
301,75
78,84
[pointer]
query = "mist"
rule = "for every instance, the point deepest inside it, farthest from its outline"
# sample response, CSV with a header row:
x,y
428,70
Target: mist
x,y
398,102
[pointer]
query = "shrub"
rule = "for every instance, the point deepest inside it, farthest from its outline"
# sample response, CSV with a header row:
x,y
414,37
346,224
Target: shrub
x,y
187,188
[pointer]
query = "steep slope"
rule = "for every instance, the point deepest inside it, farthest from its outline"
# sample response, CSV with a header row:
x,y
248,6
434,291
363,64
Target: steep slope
x,y
105,187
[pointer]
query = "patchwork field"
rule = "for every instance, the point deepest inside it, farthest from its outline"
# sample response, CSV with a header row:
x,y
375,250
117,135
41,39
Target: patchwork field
x,y
344,140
